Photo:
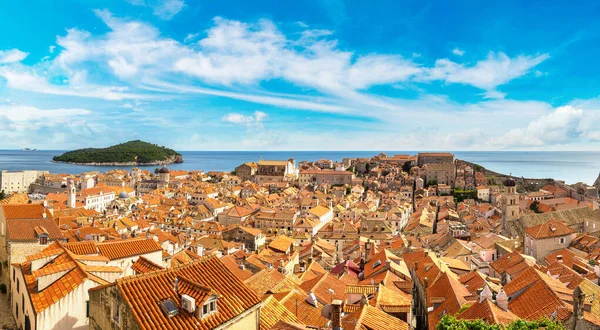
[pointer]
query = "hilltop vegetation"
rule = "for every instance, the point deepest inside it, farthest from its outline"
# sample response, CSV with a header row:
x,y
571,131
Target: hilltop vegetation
x,y
130,153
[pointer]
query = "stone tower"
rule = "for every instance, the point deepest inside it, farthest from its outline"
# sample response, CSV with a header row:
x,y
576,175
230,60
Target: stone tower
x,y
71,194
510,203
164,174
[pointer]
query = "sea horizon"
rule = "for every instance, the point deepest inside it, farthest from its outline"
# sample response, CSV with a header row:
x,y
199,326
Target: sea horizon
x,y
559,165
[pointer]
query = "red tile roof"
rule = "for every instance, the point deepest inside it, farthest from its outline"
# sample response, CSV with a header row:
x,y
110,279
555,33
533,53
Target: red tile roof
x,y
143,265
24,211
548,229
25,230
128,248
143,293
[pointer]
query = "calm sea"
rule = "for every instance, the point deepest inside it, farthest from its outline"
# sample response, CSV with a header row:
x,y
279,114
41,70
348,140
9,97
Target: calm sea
x,y
569,166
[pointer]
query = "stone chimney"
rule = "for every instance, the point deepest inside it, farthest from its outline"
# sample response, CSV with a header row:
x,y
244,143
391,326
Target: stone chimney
x,y
486,293
578,304
502,300
336,315
315,201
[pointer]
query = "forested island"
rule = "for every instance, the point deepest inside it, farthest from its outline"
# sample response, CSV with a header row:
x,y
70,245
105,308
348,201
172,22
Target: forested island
x,y
129,153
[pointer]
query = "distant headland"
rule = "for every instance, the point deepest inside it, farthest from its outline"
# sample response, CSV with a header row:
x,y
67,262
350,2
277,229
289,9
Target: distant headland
x,y
130,153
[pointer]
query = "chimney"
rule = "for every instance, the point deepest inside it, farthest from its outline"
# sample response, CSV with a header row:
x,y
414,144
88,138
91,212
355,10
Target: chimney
x,y
176,285
336,314
502,300
367,250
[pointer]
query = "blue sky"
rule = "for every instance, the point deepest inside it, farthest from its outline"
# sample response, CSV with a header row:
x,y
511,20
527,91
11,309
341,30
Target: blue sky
x,y
300,75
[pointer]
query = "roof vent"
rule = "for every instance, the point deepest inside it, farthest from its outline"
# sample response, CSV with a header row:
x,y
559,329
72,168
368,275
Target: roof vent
x,y
377,263
311,299
169,308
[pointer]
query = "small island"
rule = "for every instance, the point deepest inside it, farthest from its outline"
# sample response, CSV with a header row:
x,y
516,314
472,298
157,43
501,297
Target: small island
x,y
130,153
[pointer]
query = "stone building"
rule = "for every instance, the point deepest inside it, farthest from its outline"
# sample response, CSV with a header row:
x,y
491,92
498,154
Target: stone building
x,y
440,173
434,158
331,177
252,238
246,171
276,171
546,237
18,182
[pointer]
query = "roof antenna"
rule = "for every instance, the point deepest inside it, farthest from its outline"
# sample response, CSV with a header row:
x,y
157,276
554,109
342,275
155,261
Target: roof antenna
x,y
176,286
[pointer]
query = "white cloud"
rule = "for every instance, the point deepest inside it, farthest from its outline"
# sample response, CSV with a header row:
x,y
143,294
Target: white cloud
x,y
51,49
163,9
458,51
190,36
254,120
28,126
497,69
11,56
29,81
564,125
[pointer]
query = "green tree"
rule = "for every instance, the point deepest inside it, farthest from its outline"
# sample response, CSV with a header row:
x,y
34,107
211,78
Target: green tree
x,y
2,195
449,322
407,166
535,207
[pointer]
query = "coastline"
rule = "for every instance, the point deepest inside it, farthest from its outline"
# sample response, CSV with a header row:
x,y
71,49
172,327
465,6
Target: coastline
x,y
164,162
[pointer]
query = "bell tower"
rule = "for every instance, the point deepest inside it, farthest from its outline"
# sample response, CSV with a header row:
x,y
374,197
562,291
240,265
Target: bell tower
x,y
71,194
510,203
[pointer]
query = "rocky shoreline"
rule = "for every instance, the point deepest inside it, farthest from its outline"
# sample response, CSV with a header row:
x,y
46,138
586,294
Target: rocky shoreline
x,y
164,162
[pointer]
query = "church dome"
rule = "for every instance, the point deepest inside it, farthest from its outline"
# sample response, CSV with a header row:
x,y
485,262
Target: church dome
x,y
123,195
164,169
510,182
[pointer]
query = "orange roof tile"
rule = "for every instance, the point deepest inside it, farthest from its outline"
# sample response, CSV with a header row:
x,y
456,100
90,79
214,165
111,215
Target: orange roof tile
x,y
548,229
127,248
144,292
24,211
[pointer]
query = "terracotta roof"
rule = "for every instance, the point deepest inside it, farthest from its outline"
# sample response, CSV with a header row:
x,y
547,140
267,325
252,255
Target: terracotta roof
x,y
371,318
295,302
24,211
551,228
507,262
488,312
25,230
143,293
82,248
272,311
281,243
264,281
452,295
143,265
282,325
69,273
127,248
230,262
538,296
15,199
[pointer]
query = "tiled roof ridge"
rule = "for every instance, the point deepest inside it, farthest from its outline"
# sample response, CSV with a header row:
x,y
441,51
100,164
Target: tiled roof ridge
x,y
194,284
131,278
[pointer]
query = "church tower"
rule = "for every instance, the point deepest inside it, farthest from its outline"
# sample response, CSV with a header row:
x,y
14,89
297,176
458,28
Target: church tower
x,y
510,203
71,194
164,174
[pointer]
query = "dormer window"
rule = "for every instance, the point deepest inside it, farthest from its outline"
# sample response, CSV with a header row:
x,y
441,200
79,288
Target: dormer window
x,y
43,239
209,306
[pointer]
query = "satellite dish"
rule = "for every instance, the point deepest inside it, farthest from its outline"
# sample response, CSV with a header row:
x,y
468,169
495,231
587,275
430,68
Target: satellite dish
x,y
326,311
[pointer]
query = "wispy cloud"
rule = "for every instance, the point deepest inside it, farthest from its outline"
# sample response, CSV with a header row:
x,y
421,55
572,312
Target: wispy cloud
x,y
11,56
458,51
254,120
163,9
